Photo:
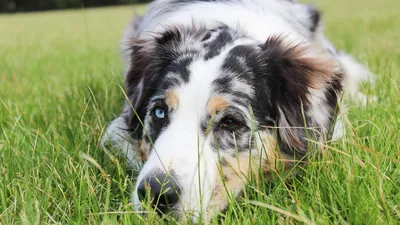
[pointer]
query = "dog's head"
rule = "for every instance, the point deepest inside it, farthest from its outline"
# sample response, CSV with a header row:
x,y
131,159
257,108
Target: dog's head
x,y
209,107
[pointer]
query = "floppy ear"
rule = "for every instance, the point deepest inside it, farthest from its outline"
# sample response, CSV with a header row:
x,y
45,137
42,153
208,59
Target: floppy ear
x,y
140,82
307,96
140,74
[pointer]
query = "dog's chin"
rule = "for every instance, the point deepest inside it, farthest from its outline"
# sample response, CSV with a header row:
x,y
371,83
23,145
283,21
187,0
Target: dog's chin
x,y
136,204
178,212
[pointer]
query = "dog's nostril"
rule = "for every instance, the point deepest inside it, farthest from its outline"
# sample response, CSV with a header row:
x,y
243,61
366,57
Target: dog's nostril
x,y
164,190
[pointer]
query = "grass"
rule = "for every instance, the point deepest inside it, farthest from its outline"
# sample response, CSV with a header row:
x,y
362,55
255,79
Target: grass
x,y
60,85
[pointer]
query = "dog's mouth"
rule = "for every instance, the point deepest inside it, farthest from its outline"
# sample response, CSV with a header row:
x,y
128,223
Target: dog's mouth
x,y
184,203
162,194
215,208
168,212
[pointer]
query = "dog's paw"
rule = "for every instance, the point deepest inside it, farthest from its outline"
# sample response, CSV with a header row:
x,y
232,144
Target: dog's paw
x,y
116,137
356,74
359,98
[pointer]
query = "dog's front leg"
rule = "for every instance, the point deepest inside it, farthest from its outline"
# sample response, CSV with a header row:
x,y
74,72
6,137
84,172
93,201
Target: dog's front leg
x,y
117,137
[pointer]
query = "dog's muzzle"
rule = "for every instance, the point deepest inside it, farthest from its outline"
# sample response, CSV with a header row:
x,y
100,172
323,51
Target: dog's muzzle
x,y
163,190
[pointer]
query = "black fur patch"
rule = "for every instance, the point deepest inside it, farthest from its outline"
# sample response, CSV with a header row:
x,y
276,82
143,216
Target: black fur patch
x,y
215,46
255,74
180,68
315,17
157,125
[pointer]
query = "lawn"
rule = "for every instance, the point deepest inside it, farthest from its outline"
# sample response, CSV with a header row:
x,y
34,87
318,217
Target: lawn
x,y
60,83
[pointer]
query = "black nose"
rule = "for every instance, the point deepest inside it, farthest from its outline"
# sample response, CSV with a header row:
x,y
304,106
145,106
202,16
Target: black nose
x,y
164,190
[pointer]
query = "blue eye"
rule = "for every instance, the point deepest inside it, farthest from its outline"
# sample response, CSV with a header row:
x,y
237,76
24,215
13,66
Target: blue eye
x,y
159,113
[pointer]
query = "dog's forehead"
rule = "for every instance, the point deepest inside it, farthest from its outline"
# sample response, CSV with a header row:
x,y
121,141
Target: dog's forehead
x,y
220,61
224,72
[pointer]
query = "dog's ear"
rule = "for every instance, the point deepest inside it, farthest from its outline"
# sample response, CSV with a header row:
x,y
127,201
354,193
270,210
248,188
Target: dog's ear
x,y
140,81
307,96
145,60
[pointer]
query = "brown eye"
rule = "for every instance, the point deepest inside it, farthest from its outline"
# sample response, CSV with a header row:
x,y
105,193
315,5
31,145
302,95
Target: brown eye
x,y
228,123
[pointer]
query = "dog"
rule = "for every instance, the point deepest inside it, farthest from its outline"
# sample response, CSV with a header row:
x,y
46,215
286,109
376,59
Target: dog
x,y
219,89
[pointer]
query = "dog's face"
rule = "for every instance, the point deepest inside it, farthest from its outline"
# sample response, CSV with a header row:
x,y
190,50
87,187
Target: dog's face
x,y
209,107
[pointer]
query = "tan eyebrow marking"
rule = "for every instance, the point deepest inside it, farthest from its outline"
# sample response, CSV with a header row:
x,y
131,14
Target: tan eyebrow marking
x,y
215,104
171,98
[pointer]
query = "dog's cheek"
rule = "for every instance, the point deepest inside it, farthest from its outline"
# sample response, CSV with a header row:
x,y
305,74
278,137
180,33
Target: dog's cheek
x,y
230,182
272,159
268,152
143,150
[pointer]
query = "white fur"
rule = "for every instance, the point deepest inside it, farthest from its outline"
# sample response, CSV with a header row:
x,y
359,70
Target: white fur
x,y
355,74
